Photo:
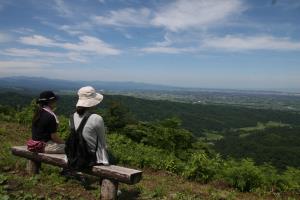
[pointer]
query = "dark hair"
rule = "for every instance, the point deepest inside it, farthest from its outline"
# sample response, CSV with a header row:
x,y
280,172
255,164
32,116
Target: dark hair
x,y
37,111
45,98
81,110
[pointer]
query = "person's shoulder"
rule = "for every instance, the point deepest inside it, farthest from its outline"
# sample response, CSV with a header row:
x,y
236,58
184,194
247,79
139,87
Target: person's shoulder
x,y
46,115
96,117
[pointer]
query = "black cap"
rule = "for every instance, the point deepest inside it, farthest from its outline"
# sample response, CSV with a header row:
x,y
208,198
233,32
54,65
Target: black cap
x,y
47,96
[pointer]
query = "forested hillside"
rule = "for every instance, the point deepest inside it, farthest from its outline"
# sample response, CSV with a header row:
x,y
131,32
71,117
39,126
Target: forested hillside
x,y
278,145
153,134
195,118
224,128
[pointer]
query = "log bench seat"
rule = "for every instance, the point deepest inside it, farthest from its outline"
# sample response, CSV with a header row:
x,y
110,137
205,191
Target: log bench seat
x,y
111,175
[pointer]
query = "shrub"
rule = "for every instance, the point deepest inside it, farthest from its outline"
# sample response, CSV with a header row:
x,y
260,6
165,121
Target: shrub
x,y
202,168
289,180
270,177
163,135
26,114
129,152
243,175
63,128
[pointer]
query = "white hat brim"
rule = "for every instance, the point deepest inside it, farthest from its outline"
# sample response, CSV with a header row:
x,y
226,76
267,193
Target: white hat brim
x,y
90,102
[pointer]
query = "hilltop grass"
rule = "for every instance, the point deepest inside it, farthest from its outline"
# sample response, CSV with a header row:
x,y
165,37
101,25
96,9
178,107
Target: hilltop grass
x,y
15,183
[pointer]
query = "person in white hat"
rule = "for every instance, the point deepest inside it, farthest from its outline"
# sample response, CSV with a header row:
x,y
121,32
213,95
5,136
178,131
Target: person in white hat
x,y
94,130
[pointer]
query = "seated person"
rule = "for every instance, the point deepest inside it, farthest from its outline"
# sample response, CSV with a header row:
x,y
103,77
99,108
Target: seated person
x,y
45,123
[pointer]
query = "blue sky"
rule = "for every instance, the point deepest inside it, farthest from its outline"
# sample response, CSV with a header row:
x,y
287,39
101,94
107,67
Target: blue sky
x,y
237,44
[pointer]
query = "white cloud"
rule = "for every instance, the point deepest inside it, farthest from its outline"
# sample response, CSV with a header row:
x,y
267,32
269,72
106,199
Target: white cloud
x,y
70,29
49,57
77,57
168,50
93,45
19,64
37,40
62,8
240,43
23,31
125,17
23,67
75,29
182,14
227,43
28,53
86,45
175,16
167,41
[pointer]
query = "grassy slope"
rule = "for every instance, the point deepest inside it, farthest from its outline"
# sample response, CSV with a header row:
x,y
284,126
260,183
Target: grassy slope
x,y
16,184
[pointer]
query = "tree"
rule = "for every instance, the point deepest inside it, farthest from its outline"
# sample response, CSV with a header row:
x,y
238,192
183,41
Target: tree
x,y
117,116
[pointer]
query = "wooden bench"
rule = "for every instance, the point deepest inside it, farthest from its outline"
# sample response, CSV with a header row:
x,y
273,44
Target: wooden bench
x,y
111,174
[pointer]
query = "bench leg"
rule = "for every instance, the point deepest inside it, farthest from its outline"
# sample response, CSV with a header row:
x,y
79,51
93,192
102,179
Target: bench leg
x,y
33,167
109,189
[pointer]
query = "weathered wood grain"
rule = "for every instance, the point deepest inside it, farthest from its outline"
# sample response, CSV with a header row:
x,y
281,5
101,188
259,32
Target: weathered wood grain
x,y
109,189
33,167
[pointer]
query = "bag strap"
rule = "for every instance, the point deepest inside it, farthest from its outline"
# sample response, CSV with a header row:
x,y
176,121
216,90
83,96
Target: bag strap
x,y
72,126
96,144
82,123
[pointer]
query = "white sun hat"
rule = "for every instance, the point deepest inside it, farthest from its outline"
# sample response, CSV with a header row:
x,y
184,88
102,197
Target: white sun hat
x,y
88,97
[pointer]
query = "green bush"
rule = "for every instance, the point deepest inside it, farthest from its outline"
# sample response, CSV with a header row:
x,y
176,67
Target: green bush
x,y
63,128
270,177
202,168
26,114
129,152
289,180
7,113
165,135
243,175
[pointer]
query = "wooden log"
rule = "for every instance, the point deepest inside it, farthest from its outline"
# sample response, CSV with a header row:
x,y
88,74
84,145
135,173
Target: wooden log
x,y
52,159
121,174
109,189
113,172
33,167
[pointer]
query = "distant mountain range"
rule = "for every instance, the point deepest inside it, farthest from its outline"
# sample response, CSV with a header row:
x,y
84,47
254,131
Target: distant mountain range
x,y
33,84
40,83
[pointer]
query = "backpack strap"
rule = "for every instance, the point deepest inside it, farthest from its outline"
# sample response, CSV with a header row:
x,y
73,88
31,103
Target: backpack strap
x,y
96,145
82,123
81,126
72,126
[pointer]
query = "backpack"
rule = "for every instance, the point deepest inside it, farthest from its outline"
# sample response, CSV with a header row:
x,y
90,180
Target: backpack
x,y
76,149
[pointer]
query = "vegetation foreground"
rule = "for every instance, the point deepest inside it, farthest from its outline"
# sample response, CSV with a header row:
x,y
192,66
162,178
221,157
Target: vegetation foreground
x,y
176,164
156,184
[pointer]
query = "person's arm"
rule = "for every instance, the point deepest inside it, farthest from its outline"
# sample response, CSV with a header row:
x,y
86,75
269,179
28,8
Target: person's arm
x,y
56,138
101,132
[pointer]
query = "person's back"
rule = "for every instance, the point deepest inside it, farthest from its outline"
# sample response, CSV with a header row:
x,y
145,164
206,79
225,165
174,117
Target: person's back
x,y
44,126
87,132
94,135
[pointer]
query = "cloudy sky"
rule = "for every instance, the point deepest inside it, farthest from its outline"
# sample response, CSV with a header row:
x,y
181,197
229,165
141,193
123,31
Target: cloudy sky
x,y
244,44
